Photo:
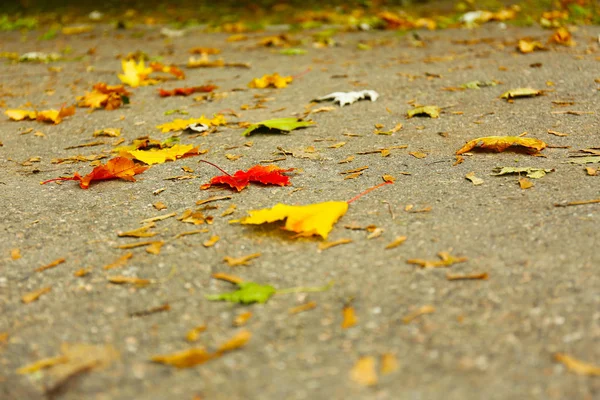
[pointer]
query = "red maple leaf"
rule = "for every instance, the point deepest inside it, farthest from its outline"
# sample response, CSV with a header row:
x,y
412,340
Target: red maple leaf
x,y
267,175
186,91
118,167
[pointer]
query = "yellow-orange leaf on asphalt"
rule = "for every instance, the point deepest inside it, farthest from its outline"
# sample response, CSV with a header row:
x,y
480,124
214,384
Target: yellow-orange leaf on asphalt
x,y
562,36
303,307
139,232
389,363
180,124
211,242
577,366
475,276
396,242
475,180
446,260
227,277
19,115
120,280
135,74
159,156
33,296
274,80
154,247
349,317
242,319
194,333
364,372
525,183
104,96
50,265
328,245
417,313
501,143
234,262
119,262
41,364
55,116
529,46
195,356
308,220
15,254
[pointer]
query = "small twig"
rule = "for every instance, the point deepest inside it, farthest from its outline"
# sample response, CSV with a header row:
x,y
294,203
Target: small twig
x,y
577,203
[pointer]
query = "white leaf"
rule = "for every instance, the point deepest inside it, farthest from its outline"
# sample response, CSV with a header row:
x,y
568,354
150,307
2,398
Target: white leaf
x,y
344,98
197,127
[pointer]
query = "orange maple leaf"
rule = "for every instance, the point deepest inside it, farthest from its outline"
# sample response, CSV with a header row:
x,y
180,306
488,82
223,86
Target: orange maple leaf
x,y
104,96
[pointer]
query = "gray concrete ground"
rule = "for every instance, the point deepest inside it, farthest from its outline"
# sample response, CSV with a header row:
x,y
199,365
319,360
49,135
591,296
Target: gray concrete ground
x,y
492,339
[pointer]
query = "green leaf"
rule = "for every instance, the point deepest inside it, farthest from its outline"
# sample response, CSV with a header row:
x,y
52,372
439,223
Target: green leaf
x,y
533,173
292,52
432,111
247,293
49,35
520,92
280,124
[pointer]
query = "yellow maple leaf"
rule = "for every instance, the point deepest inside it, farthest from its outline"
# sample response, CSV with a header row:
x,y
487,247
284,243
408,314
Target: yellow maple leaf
x,y
274,80
501,143
135,74
308,220
20,115
159,156
180,124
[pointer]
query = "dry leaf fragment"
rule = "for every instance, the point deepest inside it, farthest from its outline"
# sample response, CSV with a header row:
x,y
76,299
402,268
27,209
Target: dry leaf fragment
x,y
529,46
242,319
344,98
520,92
230,210
430,111
303,307
194,333
589,170
213,198
476,181
327,245
227,277
577,203
211,242
428,309
159,156
150,311
274,80
533,173
349,318
418,154
82,272
501,143
456,277
577,366
119,280
154,247
388,178
15,254
181,124
42,364
108,132
364,372
50,265
525,183
551,132
446,260
33,296
396,242
562,36
121,261
159,205
139,232
389,363
234,262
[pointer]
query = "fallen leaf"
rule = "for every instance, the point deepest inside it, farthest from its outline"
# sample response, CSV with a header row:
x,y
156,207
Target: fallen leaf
x,y
119,280
562,36
551,132
104,96
303,307
577,203
211,242
109,132
267,175
478,84
396,242
417,313
194,333
77,29
118,167
204,50
150,311
476,181
159,205
54,116
139,232
278,124
159,156
242,319
312,219
577,366
154,247
82,272
274,80
446,260
584,160
234,262
247,293
589,170
42,364
529,46
431,111
520,92
345,98
227,277
181,124
33,296
501,143
50,265
456,277
135,74
15,254
327,245
533,173
205,62
348,317
186,91
418,154
389,363
364,372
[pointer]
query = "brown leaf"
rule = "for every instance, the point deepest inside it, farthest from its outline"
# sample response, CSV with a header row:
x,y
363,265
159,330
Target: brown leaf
x,y
428,309
42,364
119,280
328,245
446,260
51,265
139,232
227,277
234,262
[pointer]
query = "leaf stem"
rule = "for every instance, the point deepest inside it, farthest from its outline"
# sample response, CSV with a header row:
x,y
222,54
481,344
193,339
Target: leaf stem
x,y
306,289
367,191
216,166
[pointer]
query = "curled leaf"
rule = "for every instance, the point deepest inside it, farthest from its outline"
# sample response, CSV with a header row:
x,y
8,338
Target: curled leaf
x,y
431,111
501,143
267,175
247,293
278,124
